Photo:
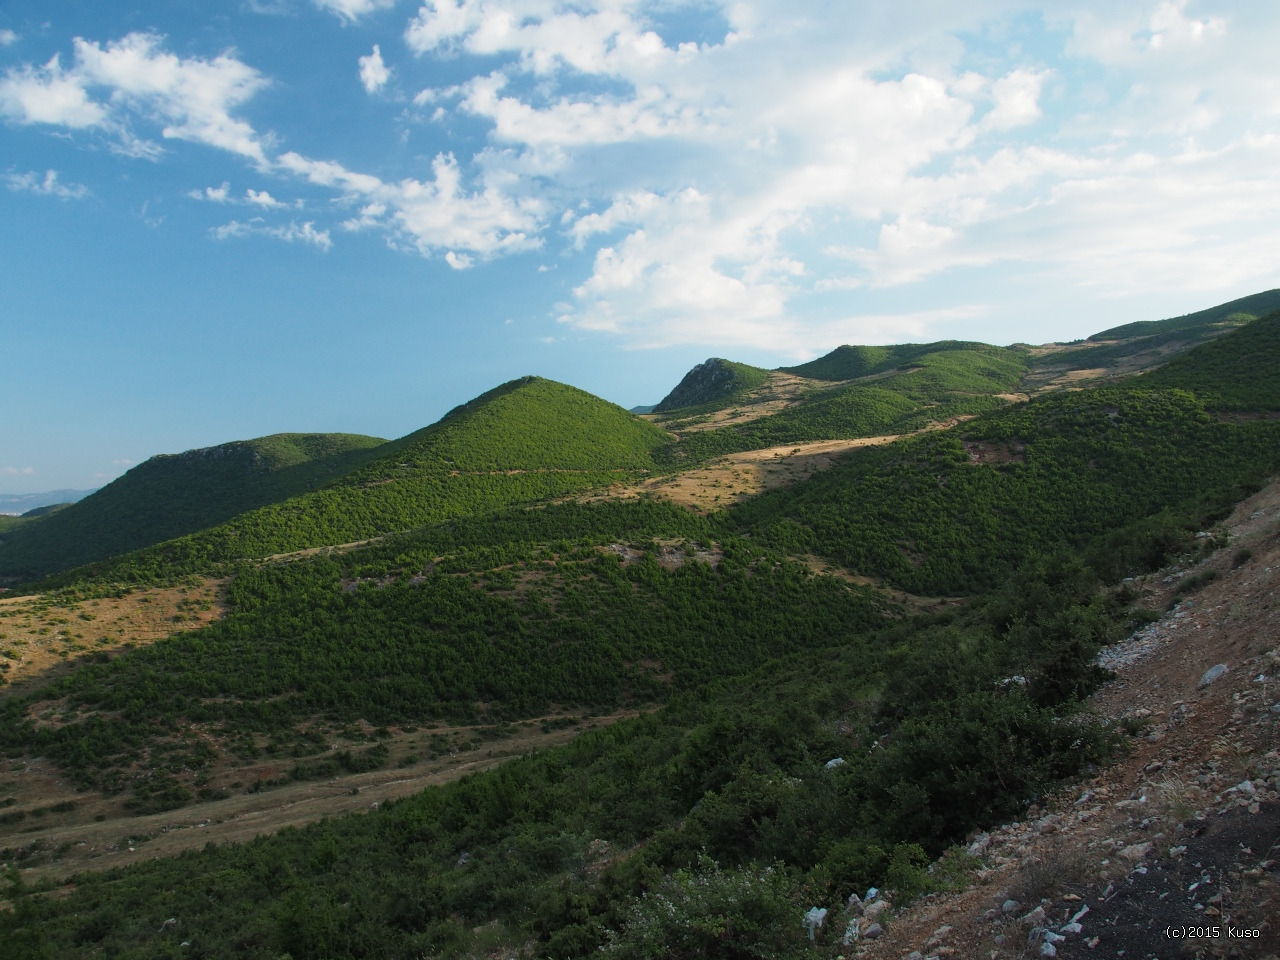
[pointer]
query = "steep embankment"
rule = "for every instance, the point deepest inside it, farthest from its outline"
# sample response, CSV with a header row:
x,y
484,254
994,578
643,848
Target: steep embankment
x,y
1184,832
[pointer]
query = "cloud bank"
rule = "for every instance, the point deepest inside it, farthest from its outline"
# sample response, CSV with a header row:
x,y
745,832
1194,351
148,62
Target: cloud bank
x,y
748,172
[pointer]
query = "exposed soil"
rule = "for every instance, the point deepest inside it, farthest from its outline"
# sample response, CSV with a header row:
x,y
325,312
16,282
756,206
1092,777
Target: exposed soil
x,y
1173,850
728,480
723,482
1049,376
778,393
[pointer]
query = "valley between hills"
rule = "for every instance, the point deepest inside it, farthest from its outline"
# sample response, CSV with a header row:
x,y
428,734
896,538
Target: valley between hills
x,y
551,679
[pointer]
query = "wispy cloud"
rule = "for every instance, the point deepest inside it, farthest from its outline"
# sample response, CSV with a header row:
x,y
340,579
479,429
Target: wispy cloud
x,y
7,37
353,10
439,214
222,195
290,233
47,184
18,471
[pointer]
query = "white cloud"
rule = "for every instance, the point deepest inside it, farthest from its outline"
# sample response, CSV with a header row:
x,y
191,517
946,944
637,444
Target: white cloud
x,y
253,198
290,233
192,99
260,198
574,122
1123,35
431,215
18,471
48,184
373,71
49,95
1016,100
600,37
122,462
717,184
353,10
7,37
213,194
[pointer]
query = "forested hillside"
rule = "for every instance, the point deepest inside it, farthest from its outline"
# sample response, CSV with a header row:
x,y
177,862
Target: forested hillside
x,y
527,440
1236,373
712,383
172,495
953,512
906,389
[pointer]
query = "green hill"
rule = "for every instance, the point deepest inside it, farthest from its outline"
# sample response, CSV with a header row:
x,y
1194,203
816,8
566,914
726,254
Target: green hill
x,y
172,495
527,440
1233,312
917,385
1236,372
852,362
711,383
956,511
1136,348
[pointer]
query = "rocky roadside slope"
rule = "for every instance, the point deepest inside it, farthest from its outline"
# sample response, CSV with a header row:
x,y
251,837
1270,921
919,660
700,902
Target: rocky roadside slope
x,y
1174,852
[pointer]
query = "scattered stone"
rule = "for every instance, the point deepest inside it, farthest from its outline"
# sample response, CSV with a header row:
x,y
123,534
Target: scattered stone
x,y
874,910
1215,672
834,762
1010,906
852,932
1136,852
873,932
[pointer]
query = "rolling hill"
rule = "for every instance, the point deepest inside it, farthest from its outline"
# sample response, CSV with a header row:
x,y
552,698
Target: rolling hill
x,y
172,495
528,440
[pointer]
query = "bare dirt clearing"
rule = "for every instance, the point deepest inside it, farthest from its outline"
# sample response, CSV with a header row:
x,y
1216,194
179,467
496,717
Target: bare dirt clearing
x,y
1183,833
728,480
43,634
1051,375
67,837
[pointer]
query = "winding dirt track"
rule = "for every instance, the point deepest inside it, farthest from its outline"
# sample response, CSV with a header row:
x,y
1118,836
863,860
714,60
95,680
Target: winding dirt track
x,y
123,840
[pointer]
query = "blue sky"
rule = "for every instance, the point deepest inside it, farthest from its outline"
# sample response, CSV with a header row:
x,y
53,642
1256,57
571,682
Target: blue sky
x,y
220,220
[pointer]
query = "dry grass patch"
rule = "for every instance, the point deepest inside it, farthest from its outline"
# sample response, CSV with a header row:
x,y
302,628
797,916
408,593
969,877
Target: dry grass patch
x,y
42,633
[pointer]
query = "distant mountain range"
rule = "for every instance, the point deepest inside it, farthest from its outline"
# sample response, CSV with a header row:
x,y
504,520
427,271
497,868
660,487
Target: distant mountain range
x,y
16,504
